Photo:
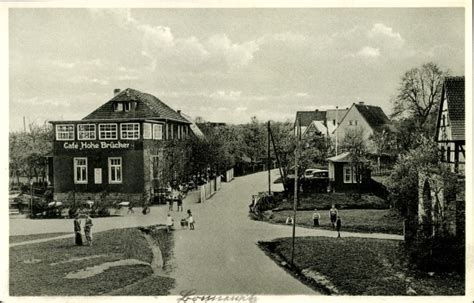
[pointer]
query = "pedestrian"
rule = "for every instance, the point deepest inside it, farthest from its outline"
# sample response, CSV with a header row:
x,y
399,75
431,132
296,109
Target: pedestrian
x,y
338,226
333,213
130,208
316,217
289,220
77,230
180,201
169,223
191,221
88,230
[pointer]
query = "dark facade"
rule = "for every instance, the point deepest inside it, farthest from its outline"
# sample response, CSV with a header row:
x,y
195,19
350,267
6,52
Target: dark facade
x,y
120,151
342,175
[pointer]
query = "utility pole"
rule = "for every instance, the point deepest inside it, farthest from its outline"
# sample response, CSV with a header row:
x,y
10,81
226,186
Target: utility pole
x,y
295,200
268,159
337,124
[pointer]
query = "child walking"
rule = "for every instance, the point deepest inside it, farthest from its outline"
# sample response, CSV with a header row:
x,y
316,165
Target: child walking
x,y
77,230
190,220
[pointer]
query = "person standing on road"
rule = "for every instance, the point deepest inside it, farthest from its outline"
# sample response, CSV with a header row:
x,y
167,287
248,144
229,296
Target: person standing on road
x,y
88,230
333,213
190,221
77,230
169,223
338,226
316,217
289,220
180,200
130,208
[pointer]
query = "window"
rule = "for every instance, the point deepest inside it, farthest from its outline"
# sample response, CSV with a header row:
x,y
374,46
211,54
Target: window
x,y
115,170
108,131
130,131
334,122
64,132
118,107
80,170
147,131
350,122
349,175
157,131
442,154
355,122
86,131
448,154
127,107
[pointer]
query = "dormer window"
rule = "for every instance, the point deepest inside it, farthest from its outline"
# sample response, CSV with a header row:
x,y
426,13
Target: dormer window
x,y
118,107
124,106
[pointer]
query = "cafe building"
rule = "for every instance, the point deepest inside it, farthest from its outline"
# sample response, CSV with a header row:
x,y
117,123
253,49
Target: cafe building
x,y
119,151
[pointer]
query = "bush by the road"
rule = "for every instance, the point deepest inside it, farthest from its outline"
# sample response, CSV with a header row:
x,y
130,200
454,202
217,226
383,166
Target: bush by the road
x,y
310,201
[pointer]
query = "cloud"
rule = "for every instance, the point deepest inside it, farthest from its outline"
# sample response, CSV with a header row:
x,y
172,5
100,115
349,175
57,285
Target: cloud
x,y
381,30
164,49
302,95
94,63
368,52
230,95
87,80
241,109
36,101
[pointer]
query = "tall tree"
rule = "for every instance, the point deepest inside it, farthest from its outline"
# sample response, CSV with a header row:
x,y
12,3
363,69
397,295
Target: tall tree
x,y
419,94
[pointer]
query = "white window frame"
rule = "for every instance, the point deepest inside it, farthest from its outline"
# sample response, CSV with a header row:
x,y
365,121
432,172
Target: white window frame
x,y
147,131
115,166
119,107
157,129
348,169
86,132
133,134
108,131
69,133
78,180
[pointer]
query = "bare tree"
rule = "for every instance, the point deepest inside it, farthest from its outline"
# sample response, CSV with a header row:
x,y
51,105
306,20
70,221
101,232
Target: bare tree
x,y
419,93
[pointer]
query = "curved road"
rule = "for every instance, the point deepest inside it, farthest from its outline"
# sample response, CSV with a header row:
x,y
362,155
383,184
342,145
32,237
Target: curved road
x,y
220,256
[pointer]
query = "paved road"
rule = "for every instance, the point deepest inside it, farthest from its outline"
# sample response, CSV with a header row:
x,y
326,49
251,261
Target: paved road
x,y
221,255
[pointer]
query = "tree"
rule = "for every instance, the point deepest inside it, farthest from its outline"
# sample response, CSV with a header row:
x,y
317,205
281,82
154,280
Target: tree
x,y
419,94
354,143
27,151
403,182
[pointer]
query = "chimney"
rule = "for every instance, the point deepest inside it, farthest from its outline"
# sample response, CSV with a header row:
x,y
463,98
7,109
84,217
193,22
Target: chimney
x,y
361,103
116,91
179,111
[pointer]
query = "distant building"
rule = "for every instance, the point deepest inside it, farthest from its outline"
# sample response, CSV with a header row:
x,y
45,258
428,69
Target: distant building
x,y
120,149
368,118
450,127
318,122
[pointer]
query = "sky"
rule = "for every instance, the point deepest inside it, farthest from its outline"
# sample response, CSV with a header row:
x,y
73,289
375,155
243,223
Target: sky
x,y
224,65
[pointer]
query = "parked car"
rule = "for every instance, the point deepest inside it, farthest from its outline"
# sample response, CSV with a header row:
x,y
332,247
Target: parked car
x,y
316,173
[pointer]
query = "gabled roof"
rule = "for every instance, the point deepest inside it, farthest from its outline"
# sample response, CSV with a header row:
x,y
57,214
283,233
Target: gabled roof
x,y
453,89
306,117
374,115
318,126
148,106
194,128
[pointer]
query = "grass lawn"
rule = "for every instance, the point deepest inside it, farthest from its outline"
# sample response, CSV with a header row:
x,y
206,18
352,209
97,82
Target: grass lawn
x,y
359,220
358,266
23,238
310,201
40,269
